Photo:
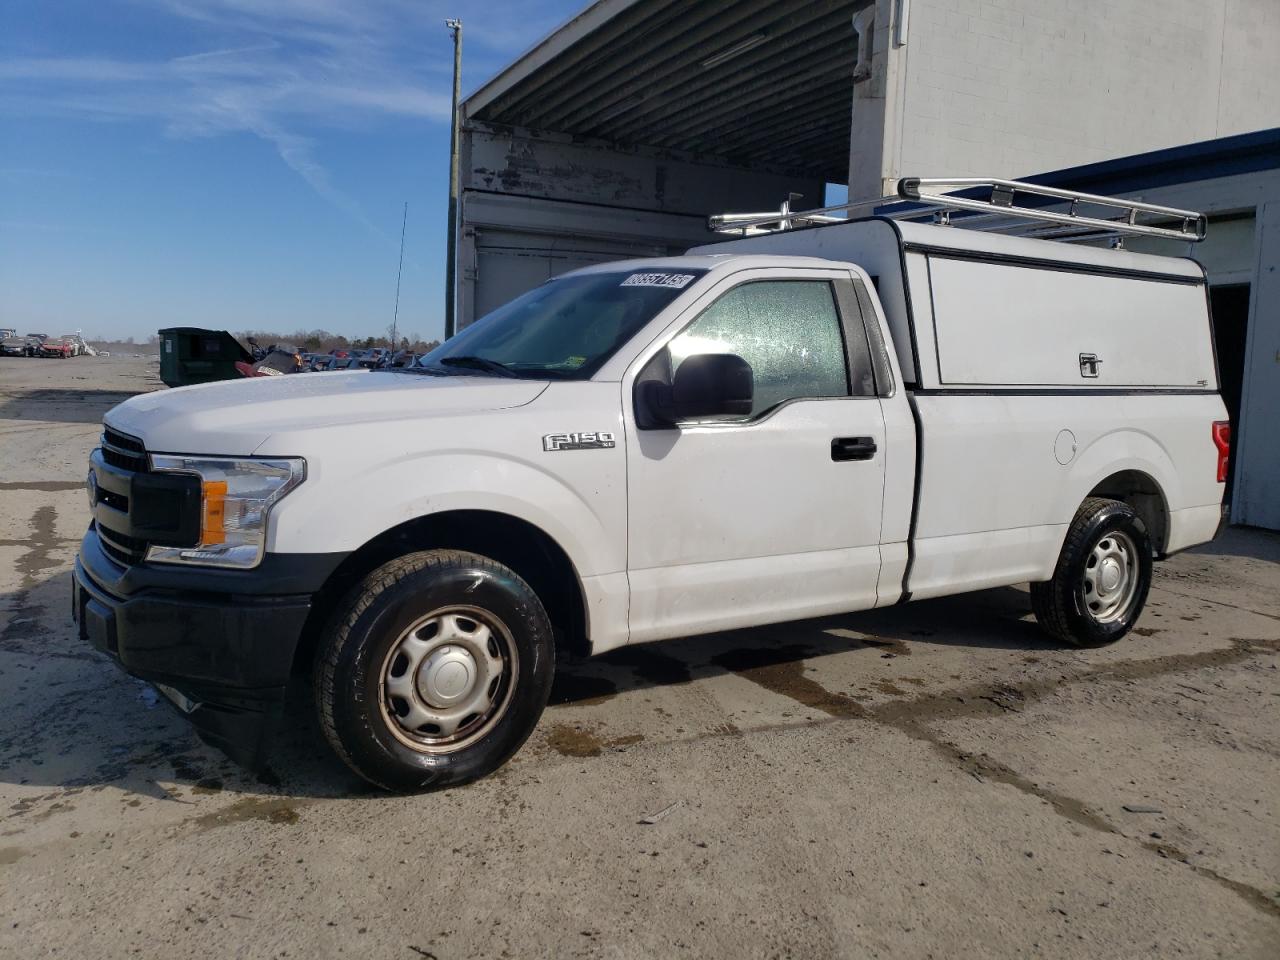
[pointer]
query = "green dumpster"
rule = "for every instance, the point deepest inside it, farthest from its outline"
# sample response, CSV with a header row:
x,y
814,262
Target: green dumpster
x,y
191,355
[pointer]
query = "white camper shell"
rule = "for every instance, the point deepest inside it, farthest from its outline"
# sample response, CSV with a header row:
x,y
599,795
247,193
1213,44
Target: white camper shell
x,y
971,309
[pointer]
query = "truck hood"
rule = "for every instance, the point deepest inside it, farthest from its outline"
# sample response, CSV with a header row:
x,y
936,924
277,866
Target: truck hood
x,y
235,417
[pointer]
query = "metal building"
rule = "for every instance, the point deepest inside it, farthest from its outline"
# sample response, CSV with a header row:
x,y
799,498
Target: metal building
x,y
622,131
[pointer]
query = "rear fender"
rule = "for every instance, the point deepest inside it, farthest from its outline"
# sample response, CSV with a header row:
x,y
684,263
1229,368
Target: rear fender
x,y
1115,452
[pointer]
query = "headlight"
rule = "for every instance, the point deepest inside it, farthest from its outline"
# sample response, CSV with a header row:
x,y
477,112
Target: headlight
x,y
236,496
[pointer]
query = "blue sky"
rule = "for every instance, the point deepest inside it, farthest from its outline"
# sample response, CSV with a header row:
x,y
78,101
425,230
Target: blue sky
x,y
234,163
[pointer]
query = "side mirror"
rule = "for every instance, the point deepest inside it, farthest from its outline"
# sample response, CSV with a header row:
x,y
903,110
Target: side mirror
x,y
705,385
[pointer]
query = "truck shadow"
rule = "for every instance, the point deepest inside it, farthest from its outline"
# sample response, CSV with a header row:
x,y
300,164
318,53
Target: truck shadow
x,y
992,619
1251,542
72,721
62,406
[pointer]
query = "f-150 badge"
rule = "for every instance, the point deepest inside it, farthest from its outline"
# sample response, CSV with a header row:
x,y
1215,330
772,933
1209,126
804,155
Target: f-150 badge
x,y
599,440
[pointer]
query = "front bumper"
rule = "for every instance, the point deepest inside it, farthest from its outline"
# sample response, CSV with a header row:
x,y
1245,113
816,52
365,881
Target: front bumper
x,y
222,656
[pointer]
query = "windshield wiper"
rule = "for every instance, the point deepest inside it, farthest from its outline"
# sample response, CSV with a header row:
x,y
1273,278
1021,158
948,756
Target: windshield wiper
x,y
429,371
479,363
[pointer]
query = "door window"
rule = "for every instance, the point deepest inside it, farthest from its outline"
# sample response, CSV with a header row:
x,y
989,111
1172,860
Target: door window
x,y
787,330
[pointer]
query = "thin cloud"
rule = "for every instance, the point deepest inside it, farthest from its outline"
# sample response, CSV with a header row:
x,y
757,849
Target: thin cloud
x,y
286,71
69,70
259,88
297,154
230,52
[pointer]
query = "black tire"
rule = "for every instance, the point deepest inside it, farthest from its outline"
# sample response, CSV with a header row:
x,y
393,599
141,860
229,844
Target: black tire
x,y
1068,607
358,655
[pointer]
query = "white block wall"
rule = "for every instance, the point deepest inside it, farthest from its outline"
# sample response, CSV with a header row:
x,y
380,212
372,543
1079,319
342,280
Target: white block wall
x,y
1013,87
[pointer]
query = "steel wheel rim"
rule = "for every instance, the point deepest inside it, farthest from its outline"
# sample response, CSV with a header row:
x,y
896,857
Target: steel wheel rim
x,y
1110,580
448,679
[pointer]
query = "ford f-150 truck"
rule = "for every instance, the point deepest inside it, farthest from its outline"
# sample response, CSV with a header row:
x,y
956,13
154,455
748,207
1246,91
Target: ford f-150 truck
x,y
788,425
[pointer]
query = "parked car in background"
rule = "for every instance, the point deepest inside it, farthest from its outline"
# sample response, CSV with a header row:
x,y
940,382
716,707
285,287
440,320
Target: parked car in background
x,y
385,360
60,347
316,361
400,358
13,347
34,342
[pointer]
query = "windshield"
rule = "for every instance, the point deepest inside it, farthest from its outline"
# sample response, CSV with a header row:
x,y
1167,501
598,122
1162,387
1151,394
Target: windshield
x,y
565,329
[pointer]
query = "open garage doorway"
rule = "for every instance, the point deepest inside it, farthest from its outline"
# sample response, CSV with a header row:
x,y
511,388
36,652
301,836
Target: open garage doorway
x,y
1230,303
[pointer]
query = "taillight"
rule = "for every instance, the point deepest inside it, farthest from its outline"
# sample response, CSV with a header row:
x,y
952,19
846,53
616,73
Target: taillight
x,y
1222,440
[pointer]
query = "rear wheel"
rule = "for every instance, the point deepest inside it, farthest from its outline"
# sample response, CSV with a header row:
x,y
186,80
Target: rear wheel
x,y
435,670
1100,584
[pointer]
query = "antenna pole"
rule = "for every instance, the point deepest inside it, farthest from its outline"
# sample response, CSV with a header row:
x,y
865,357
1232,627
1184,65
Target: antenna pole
x,y
451,258
399,270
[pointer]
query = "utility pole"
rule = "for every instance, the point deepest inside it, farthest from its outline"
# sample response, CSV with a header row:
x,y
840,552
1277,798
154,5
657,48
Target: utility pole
x,y
451,256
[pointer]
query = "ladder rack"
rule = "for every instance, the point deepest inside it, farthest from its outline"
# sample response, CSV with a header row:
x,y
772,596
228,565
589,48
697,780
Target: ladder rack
x,y
990,205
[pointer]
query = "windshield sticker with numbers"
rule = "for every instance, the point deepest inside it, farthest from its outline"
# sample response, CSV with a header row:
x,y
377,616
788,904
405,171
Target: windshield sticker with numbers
x,y
677,280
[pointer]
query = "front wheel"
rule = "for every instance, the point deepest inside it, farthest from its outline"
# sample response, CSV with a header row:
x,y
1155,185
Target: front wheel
x,y
1100,585
434,671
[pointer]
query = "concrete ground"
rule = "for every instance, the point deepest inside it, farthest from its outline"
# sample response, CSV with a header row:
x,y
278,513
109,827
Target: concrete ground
x,y
937,780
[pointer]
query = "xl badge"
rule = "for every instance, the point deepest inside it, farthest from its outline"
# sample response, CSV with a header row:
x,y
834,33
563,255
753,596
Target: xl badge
x,y
600,440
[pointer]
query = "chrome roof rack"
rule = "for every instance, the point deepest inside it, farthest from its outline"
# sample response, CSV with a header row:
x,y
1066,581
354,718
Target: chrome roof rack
x,y
990,205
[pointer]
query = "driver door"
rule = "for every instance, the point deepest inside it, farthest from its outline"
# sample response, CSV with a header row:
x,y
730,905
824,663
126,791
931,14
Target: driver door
x,y
774,515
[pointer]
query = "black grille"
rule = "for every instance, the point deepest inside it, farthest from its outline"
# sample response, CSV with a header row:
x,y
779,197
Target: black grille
x,y
121,549
123,451
126,453
116,501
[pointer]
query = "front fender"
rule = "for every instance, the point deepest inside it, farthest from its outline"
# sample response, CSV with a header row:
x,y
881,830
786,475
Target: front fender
x,y
578,500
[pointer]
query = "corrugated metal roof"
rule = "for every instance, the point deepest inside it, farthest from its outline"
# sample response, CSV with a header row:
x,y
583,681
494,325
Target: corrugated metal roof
x,y
757,83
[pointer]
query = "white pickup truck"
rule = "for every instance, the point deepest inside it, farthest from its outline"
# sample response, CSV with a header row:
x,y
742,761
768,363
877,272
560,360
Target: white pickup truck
x,y
788,425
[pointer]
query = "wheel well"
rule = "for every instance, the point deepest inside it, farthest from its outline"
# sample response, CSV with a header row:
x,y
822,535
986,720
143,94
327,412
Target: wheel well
x,y
526,549
1146,498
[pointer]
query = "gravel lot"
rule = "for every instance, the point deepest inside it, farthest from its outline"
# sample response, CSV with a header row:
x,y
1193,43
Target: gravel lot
x,y
937,780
